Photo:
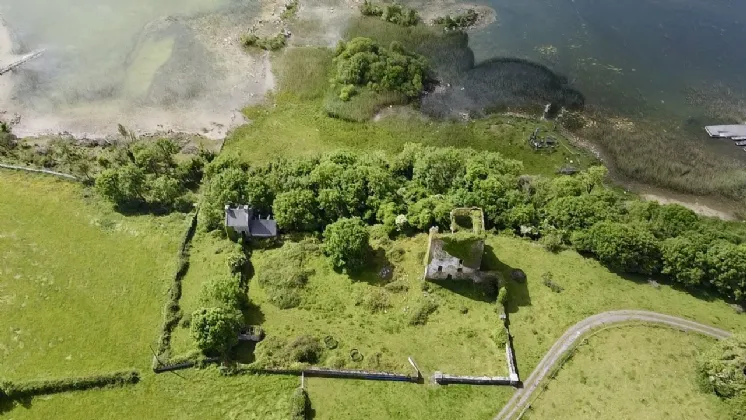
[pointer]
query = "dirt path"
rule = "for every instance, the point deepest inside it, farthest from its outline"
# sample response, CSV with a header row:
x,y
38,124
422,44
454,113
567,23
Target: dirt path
x,y
520,400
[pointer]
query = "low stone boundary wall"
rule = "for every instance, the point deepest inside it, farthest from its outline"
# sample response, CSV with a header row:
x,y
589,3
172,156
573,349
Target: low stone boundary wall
x,y
343,373
446,379
183,365
40,171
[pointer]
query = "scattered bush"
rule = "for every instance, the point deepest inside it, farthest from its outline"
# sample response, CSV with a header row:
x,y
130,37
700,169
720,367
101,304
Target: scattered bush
x,y
274,352
548,281
394,13
305,349
376,301
291,8
273,43
422,311
299,404
236,259
721,369
346,244
397,287
458,22
500,337
215,330
502,296
552,242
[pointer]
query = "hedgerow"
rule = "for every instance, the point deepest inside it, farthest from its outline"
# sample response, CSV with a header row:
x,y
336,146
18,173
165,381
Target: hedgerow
x,y
23,389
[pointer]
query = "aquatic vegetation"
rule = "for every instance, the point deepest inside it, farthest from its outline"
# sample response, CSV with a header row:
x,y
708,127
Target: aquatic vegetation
x,y
273,43
458,22
394,13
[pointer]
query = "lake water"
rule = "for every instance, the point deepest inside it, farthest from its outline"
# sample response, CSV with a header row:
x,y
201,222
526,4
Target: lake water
x,y
667,59
133,62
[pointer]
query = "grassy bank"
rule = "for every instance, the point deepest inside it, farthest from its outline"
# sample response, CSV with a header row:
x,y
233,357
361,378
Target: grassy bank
x,y
294,123
628,372
668,157
81,287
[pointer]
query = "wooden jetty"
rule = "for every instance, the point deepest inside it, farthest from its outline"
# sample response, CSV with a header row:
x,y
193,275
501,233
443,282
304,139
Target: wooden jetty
x,y
733,132
19,61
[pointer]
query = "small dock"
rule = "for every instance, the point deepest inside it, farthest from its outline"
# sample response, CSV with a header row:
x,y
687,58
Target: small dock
x,y
733,132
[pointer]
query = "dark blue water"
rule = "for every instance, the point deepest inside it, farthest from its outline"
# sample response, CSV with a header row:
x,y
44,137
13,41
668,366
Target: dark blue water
x,y
635,57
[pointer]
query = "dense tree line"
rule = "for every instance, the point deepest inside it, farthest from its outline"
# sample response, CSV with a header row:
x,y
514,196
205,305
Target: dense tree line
x,y
147,174
362,63
418,187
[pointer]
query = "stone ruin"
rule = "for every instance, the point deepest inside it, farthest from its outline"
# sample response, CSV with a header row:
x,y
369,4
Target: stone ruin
x,y
458,254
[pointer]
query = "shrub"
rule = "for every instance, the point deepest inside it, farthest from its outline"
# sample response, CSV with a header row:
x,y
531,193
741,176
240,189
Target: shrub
x,y
305,349
397,287
236,259
228,292
721,369
362,62
458,22
422,311
299,404
24,389
291,9
394,13
376,300
548,281
346,244
215,330
552,242
502,296
273,43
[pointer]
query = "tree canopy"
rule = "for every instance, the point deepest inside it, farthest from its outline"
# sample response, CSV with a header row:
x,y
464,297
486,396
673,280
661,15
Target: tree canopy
x,y
346,244
362,63
215,330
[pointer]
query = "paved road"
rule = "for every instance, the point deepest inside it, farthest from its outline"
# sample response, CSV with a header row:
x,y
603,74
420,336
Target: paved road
x,y
522,396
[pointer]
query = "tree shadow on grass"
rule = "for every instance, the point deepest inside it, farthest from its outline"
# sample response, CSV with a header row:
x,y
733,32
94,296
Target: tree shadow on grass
x,y
7,404
518,293
378,271
702,293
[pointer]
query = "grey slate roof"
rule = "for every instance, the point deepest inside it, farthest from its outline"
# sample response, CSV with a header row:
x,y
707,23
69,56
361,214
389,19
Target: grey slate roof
x,y
237,217
263,228
242,220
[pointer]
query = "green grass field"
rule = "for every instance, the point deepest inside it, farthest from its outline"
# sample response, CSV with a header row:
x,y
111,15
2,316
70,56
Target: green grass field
x,y
335,304
81,287
538,317
630,372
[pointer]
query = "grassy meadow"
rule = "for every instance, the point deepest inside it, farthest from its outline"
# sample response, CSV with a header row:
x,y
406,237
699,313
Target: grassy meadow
x,y
293,123
630,372
81,287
